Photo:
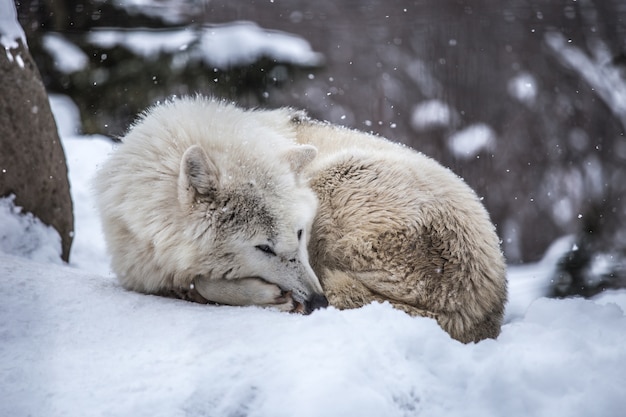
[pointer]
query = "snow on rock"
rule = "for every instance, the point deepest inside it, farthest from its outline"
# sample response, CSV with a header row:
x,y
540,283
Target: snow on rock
x,y
10,29
431,114
469,142
68,58
23,234
73,342
220,46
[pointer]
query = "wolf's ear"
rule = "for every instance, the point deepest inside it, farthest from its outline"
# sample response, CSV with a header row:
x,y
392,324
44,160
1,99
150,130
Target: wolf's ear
x,y
198,175
300,156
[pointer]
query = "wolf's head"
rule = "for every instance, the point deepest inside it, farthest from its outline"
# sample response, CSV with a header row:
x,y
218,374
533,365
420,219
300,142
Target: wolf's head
x,y
251,219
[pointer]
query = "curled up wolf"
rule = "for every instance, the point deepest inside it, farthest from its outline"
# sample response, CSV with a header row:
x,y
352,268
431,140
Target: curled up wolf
x,y
212,203
203,203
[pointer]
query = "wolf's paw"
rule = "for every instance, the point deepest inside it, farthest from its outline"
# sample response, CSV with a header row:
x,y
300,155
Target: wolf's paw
x,y
187,294
285,302
246,292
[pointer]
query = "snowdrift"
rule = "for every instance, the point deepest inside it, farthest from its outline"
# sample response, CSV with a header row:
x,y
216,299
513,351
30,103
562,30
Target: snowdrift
x,y
76,344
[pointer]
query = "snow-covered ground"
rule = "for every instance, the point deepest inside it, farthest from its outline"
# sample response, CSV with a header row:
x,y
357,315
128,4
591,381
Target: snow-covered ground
x,y
74,343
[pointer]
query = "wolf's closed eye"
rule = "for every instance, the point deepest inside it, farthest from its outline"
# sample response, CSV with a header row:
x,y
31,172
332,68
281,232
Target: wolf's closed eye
x,y
266,249
299,235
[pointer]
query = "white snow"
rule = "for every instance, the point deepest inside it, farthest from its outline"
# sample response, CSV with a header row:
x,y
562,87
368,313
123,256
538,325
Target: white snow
x,y
67,57
469,142
530,282
171,11
147,43
220,46
84,155
66,115
10,29
11,32
523,87
242,43
74,343
25,235
432,114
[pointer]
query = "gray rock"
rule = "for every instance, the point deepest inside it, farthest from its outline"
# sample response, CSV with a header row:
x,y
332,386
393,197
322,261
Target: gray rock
x,y
32,161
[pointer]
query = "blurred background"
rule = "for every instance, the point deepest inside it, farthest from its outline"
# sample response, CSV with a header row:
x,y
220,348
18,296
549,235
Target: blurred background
x,y
524,99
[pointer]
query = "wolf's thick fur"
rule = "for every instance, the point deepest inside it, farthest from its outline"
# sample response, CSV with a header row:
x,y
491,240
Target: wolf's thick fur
x,y
203,202
394,225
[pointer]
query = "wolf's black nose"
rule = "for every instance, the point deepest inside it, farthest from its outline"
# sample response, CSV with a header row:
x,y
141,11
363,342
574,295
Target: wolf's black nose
x,y
317,301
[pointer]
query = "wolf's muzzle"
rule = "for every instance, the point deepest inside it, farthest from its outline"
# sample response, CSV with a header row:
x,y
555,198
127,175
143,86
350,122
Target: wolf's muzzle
x,y
317,301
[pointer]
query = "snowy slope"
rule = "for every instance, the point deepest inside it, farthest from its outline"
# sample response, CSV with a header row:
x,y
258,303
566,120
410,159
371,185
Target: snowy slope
x,y
74,343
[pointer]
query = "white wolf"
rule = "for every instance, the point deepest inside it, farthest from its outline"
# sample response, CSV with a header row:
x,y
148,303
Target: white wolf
x,y
203,202
206,195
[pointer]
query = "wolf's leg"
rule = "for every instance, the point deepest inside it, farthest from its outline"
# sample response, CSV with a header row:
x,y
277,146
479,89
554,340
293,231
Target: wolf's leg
x,y
355,289
187,294
244,292
392,288
413,311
